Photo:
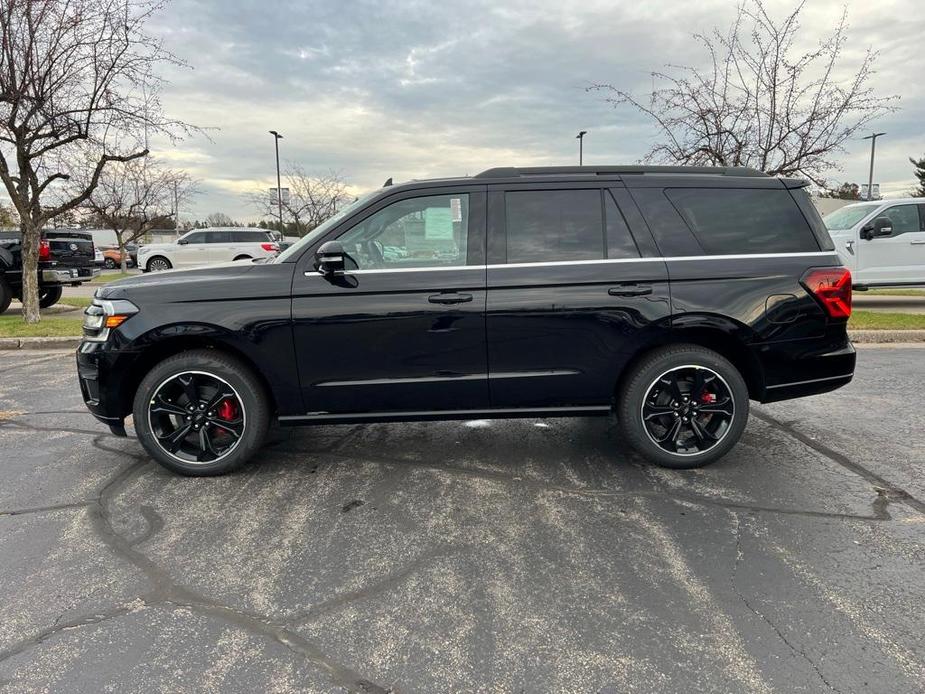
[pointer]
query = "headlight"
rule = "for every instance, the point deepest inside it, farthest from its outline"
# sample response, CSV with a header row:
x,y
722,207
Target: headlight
x,y
103,315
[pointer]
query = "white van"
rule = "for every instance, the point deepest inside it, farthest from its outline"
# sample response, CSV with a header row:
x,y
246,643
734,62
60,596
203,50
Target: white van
x,y
881,242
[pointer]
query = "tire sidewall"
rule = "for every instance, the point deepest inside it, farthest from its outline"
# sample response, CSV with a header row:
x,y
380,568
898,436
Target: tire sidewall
x,y
630,400
6,295
159,259
52,295
238,376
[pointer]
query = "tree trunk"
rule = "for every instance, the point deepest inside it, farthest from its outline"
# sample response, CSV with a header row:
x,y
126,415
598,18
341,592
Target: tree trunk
x,y
122,263
31,237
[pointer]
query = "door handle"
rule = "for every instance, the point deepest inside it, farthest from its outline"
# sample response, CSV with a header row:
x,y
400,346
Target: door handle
x,y
449,298
630,290
917,243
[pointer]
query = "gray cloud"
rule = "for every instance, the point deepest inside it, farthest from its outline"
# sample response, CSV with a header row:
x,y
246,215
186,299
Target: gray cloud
x,y
416,89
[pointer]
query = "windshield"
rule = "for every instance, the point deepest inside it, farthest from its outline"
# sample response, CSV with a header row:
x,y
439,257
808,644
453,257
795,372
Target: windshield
x,y
847,217
320,230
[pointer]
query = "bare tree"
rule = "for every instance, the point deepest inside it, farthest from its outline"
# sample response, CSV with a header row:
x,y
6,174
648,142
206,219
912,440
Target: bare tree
x,y
77,93
759,103
312,199
220,219
137,196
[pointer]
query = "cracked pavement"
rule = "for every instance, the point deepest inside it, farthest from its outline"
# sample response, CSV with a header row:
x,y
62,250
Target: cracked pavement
x,y
522,555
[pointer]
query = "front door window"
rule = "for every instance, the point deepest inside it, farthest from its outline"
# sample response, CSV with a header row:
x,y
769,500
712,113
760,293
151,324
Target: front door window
x,y
421,232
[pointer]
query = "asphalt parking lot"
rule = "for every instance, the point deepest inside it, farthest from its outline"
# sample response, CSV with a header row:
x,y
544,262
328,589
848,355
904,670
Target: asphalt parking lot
x,y
528,555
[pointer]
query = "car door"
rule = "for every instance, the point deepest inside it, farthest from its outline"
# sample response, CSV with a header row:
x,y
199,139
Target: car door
x,y
192,251
570,295
900,257
402,328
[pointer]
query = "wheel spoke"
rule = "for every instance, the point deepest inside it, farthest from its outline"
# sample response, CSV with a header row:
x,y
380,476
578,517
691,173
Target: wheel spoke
x,y
188,382
723,406
655,411
172,440
233,427
206,446
672,434
160,406
222,393
671,381
702,434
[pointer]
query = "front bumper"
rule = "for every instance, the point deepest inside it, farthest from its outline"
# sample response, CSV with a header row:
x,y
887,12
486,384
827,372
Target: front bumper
x,y
69,275
102,392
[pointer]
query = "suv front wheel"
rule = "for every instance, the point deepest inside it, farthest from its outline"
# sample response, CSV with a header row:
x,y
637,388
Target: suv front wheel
x,y
201,412
683,406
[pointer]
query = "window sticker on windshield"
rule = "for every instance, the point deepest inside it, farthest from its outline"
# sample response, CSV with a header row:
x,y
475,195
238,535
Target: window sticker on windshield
x,y
438,223
456,209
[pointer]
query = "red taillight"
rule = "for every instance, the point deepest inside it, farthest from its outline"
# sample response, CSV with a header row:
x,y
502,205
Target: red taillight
x,y
832,287
44,250
270,247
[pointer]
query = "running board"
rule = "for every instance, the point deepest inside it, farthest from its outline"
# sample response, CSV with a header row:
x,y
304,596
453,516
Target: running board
x,y
436,415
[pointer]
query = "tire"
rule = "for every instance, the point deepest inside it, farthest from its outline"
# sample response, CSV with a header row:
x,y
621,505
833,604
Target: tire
x,y
49,296
6,295
158,264
242,257
698,431
163,399
109,264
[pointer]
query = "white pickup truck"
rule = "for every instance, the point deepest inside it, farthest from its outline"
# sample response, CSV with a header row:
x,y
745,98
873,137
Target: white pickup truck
x,y
882,242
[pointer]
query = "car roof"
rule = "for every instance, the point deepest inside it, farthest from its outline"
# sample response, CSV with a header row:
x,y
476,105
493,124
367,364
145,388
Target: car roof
x,y
886,201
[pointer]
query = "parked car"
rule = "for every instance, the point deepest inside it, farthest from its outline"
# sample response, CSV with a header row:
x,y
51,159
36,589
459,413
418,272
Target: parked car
x,y
882,242
98,258
112,258
65,257
132,250
207,247
668,296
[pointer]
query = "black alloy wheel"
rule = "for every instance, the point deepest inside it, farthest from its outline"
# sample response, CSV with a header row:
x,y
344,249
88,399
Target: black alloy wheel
x,y
196,417
688,410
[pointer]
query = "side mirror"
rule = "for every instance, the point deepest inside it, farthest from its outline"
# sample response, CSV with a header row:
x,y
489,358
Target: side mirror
x,y
182,242
329,258
881,226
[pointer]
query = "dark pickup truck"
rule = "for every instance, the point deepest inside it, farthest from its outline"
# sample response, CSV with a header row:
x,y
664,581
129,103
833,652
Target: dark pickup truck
x,y
65,257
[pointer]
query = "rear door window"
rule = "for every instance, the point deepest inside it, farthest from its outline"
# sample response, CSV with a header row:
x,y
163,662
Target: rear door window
x,y
554,225
729,221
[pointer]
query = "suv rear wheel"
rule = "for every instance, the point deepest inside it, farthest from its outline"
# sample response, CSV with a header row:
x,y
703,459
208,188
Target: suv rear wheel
x,y
683,406
6,295
201,413
49,296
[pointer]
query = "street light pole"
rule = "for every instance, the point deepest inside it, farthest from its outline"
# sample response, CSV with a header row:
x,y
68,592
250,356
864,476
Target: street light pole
x,y
581,139
870,179
279,190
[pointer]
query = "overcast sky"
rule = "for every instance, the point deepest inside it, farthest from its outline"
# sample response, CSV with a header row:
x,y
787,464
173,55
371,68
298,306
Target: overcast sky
x,y
423,89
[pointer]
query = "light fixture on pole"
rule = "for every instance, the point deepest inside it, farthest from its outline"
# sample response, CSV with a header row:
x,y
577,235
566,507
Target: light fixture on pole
x,y
581,138
279,189
870,179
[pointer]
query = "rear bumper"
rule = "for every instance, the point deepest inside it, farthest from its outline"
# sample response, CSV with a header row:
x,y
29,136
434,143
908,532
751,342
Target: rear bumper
x,y
69,275
797,369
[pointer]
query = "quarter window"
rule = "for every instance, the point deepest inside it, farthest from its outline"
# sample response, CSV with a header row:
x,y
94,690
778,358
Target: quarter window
x,y
554,225
730,221
429,231
620,243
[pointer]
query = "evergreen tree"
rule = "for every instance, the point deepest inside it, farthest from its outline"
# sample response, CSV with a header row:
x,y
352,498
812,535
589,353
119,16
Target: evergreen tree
x,y
919,172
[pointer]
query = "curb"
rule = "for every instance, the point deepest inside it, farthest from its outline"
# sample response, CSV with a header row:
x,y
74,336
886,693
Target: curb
x,y
856,336
11,343
886,336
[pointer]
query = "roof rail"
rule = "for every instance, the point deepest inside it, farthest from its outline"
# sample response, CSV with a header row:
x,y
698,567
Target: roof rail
x,y
515,172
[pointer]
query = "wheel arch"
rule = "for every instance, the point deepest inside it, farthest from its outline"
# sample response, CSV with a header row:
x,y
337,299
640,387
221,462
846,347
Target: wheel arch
x,y
158,350
722,336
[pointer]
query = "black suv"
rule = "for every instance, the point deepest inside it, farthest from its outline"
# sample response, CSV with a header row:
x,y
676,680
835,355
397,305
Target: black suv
x,y
667,296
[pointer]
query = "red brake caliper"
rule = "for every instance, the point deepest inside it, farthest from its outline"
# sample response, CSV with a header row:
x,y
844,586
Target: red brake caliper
x,y
708,398
227,410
